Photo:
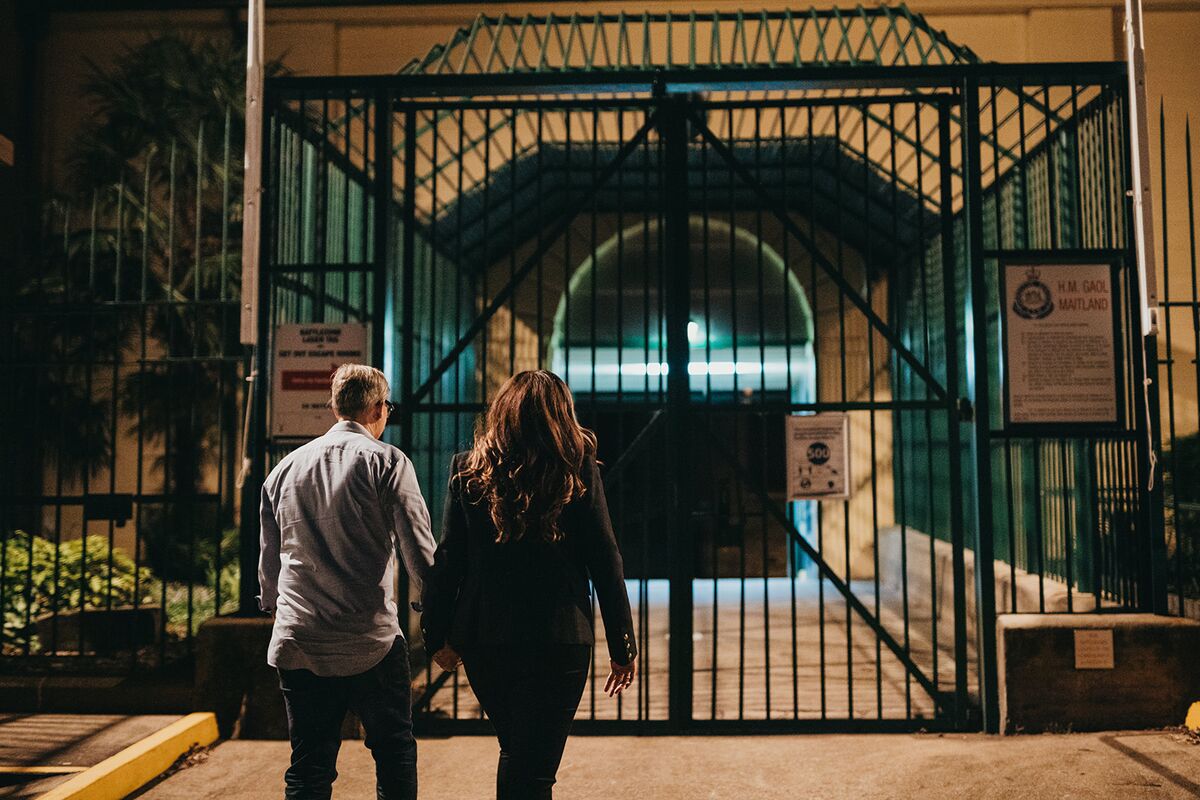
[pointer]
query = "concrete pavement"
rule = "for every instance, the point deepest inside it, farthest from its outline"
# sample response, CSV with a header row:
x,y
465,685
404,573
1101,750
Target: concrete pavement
x,y
1122,766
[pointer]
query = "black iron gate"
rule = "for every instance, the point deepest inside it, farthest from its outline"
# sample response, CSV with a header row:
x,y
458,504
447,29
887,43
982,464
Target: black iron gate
x,y
698,270
702,267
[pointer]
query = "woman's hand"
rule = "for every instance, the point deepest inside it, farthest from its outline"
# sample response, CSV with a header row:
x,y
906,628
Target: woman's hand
x,y
447,659
619,677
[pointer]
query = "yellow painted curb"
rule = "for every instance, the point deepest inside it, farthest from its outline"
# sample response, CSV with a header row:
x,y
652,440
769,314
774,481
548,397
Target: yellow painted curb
x,y
138,764
1193,718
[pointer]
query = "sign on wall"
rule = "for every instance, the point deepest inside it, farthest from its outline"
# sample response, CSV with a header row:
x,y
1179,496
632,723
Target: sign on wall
x,y
1060,324
305,357
818,456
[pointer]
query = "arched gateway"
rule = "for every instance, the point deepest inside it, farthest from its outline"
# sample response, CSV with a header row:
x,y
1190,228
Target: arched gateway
x,y
770,252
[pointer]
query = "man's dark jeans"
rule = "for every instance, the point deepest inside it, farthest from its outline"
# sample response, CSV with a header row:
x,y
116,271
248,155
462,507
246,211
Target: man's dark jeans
x,y
316,707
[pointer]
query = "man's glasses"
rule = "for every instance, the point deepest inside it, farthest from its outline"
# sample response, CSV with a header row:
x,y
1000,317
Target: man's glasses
x,y
391,407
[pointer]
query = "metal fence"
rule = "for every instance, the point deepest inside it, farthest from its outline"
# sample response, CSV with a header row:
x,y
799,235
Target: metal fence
x,y
124,370
1065,507
1178,369
842,244
839,247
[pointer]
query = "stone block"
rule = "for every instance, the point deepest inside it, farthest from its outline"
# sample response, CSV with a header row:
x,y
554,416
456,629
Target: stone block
x,y
1155,672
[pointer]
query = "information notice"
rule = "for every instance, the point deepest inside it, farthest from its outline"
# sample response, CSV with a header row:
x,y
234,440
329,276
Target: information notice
x,y
818,456
1061,354
305,357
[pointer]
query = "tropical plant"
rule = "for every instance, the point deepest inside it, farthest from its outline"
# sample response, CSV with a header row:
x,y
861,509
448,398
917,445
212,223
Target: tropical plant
x,y
82,574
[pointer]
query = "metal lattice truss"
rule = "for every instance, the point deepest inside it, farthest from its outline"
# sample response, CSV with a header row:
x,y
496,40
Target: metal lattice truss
x,y
550,44
458,149
882,36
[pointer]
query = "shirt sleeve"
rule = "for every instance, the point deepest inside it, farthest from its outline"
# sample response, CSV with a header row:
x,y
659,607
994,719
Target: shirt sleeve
x,y
449,570
410,520
607,570
268,554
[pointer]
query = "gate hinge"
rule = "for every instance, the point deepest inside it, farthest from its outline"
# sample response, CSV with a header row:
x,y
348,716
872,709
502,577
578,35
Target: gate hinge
x,y
966,411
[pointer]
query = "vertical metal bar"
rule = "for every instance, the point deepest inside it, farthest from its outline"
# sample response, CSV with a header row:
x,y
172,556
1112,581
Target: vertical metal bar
x,y
762,418
677,288
791,550
384,227
258,384
954,446
812,229
867,245
985,583
898,417
1180,544
844,393
592,395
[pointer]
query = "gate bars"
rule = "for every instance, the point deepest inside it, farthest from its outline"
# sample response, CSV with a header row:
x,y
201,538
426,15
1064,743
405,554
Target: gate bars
x,y
588,232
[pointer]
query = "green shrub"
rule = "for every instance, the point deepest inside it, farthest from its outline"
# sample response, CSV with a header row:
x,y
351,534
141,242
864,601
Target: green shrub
x,y
109,575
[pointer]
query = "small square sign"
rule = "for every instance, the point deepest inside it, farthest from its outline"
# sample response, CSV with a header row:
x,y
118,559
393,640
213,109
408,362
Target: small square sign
x,y
1094,648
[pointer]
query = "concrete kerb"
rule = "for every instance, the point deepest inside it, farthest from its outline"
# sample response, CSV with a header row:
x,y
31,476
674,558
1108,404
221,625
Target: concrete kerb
x,y
135,766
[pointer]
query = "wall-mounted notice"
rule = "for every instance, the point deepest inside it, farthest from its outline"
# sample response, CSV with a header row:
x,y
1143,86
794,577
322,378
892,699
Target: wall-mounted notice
x,y
818,456
1060,346
1094,648
305,357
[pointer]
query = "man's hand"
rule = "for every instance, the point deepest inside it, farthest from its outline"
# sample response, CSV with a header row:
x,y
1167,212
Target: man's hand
x,y
447,659
620,677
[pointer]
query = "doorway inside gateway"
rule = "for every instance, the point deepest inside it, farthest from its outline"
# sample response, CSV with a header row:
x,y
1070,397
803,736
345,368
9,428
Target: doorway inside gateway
x,y
740,353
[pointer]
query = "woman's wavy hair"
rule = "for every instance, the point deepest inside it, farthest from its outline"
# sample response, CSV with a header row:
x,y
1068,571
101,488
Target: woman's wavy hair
x,y
528,456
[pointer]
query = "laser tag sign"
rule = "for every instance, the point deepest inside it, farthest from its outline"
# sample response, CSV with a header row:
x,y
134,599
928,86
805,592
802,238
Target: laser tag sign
x,y
305,357
1061,359
818,456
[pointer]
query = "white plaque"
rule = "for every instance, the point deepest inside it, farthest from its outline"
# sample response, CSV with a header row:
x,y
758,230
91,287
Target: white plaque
x,y
1061,362
305,357
818,456
1093,648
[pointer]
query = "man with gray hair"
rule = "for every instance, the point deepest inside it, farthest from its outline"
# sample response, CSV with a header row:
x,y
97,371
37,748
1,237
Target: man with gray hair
x,y
334,514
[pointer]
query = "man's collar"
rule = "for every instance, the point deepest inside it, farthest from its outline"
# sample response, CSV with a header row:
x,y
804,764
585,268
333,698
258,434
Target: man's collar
x,y
352,426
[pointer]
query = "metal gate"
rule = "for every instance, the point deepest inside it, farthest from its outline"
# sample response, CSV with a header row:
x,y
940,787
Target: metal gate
x,y
702,256
663,257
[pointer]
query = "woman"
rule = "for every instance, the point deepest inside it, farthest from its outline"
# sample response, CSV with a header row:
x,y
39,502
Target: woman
x,y
525,526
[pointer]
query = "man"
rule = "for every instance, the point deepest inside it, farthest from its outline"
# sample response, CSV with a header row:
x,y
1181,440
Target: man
x,y
334,514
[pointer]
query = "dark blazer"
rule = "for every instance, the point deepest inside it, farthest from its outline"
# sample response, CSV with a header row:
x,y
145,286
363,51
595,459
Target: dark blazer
x,y
529,590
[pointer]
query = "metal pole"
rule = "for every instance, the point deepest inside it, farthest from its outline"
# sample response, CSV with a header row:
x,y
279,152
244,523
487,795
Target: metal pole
x,y
951,311
1139,140
252,179
1152,595
985,579
675,245
256,437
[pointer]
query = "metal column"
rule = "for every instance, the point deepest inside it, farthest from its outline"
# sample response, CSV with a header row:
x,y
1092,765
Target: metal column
x,y
673,129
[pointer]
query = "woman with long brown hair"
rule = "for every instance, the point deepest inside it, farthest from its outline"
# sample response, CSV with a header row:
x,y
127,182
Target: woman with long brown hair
x,y
526,526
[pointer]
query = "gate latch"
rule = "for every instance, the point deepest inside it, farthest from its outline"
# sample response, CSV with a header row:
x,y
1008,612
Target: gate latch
x,y
966,412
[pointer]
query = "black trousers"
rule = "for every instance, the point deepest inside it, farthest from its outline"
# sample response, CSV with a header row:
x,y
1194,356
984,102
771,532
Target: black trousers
x,y
530,694
316,707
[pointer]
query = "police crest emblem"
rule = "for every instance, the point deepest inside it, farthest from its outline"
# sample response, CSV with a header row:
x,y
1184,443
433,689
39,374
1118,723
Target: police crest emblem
x,y
1033,299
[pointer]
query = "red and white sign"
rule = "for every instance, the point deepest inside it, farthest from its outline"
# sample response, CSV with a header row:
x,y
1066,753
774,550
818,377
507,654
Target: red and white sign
x,y
306,356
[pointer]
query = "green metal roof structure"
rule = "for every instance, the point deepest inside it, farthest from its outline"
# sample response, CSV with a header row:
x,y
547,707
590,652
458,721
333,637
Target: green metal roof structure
x,y
713,43
883,36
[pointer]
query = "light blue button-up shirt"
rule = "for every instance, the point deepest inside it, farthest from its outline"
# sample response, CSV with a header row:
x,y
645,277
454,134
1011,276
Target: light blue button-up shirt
x,y
334,514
